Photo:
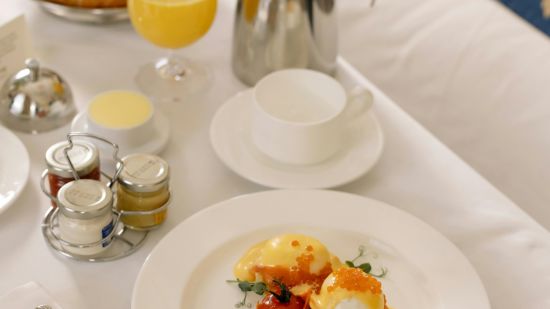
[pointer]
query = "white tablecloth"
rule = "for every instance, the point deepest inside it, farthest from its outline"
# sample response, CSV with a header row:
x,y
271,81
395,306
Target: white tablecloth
x,y
416,173
474,74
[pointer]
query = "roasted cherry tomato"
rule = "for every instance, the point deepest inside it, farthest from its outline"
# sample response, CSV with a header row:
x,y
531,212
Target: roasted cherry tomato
x,y
271,302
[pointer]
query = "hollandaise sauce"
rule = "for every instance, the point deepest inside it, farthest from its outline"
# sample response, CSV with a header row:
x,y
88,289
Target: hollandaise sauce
x,y
120,109
300,262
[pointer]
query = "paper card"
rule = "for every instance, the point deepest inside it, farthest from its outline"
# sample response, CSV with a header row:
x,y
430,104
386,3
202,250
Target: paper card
x,y
14,47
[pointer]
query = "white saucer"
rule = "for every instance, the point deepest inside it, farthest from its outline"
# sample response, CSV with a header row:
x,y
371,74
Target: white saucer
x,y
231,139
153,145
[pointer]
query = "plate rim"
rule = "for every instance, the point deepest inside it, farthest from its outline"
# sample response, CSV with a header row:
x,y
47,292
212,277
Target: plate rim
x,y
270,184
475,286
25,178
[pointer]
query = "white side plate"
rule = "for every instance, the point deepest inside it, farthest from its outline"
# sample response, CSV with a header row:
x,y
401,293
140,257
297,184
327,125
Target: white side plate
x,y
14,168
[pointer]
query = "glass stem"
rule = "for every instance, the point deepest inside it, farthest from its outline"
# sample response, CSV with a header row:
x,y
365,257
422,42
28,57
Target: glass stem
x,y
172,67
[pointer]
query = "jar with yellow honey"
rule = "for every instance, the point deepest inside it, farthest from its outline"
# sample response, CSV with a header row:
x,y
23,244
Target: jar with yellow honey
x,y
143,185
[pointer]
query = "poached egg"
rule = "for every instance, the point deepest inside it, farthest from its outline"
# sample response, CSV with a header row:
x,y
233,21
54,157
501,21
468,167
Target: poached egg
x,y
300,262
349,288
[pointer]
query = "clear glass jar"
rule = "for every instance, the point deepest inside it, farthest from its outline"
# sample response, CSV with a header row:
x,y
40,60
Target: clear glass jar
x,y
143,185
85,159
85,216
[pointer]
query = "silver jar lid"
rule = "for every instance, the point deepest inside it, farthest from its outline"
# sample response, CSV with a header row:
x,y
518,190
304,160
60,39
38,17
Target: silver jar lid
x,y
35,100
84,156
85,199
144,173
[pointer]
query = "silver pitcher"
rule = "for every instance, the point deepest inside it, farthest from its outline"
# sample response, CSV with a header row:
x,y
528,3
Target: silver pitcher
x,y
270,35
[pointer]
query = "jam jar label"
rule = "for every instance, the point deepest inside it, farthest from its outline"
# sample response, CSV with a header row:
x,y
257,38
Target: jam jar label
x,y
105,232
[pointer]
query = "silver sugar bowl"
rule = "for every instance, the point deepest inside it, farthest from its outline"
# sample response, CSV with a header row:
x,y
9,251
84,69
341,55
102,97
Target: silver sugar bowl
x,y
35,100
270,35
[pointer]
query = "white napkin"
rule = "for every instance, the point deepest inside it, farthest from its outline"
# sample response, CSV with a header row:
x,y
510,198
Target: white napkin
x,y
27,296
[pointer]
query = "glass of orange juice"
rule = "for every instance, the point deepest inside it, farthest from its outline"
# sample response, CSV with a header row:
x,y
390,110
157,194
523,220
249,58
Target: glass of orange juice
x,y
172,24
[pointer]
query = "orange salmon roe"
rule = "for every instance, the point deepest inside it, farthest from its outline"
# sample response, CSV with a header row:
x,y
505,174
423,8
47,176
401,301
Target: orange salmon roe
x,y
295,275
354,279
304,261
295,243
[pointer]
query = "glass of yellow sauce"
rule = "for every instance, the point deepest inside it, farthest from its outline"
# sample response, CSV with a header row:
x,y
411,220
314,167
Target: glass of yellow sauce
x,y
143,185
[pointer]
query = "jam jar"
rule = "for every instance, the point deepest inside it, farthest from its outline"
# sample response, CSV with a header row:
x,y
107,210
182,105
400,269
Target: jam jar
x,y
84,156
86,217
143,185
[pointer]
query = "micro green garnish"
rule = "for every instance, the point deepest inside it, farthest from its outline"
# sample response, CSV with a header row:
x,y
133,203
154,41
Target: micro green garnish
x,y
382,274
257,287
366,267
260,288
285,295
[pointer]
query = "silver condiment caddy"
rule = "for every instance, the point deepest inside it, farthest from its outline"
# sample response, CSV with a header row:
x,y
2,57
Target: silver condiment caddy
x,y
120,241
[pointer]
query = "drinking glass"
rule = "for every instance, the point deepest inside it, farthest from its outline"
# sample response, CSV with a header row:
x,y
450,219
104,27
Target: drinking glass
x,y
172,24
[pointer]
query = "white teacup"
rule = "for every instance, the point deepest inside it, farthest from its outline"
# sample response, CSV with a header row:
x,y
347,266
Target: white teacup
x,y
124,117
301,116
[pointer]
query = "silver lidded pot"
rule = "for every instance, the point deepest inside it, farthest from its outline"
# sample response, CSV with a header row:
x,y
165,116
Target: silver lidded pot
x,y
35,100
270,35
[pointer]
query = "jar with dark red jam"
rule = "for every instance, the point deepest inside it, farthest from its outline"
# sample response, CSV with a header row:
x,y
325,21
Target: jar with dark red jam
x,y
85,158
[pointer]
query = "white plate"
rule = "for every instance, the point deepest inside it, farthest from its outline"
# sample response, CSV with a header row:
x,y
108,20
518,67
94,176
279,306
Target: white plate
x,y
153,145
188,268
14,168
231,139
